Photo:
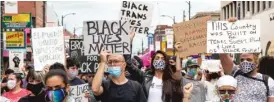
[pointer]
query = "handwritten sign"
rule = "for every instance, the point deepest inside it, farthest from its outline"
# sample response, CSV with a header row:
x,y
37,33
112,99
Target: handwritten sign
x,y
88,63
48,46
78,92
16,60
139,15
15,40
191,36
238,37
111,35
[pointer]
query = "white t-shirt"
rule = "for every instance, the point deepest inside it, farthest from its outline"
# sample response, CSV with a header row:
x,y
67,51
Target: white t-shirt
x,y
211,91
155,90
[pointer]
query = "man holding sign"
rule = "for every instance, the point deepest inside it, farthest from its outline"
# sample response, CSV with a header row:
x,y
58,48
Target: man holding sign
x,y
254,86
119,88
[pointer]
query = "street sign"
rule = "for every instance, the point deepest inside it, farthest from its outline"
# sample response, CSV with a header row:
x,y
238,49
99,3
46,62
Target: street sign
x,y
17,21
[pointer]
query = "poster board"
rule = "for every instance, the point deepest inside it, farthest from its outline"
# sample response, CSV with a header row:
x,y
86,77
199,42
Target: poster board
x,y
77,92
16,60
191,36
15,39
48,46
112,35
139,14
89,63
236,37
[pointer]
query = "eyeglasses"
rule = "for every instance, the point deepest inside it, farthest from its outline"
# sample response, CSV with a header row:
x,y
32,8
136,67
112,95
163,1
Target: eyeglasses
x,y
246,59
110,62
227,91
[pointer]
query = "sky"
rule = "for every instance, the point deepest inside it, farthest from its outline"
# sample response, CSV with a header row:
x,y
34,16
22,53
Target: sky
x,y
109,10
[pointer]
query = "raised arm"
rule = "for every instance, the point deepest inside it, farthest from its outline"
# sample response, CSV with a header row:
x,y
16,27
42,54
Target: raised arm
x,y
97,88
227,63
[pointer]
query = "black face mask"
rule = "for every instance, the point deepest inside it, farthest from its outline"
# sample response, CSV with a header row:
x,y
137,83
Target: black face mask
x,y
35,89
214,76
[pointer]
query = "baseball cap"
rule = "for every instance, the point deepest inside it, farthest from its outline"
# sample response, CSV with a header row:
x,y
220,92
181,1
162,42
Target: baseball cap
x,y
227,80
211,65
191,62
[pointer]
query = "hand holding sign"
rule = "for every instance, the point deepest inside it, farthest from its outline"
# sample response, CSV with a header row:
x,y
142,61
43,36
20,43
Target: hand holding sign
x,y
103,55
232,19
132,35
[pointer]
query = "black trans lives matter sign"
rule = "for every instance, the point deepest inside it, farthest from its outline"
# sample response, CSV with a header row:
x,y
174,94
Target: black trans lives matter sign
x,y
88,63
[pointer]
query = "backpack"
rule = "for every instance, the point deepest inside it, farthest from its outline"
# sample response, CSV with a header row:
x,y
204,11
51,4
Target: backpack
x,y
265,79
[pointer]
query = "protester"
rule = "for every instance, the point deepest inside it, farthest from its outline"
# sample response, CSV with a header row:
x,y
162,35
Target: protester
x,y
194,74
212,74
72,72
16,91
4,87
162,80
118,88
266,66
226,88
57,86
36,85
254,86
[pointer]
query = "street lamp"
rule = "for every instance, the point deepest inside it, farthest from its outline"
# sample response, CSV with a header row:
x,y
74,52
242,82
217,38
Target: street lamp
x,y
75,29
173,18
63,16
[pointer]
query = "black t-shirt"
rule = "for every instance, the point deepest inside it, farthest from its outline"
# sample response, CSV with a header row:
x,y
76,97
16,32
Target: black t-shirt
x,y
39,98
76,81
122,93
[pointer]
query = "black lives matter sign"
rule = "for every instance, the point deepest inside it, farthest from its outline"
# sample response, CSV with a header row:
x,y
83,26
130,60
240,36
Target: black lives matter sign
x,y
110,35
139,15
88,63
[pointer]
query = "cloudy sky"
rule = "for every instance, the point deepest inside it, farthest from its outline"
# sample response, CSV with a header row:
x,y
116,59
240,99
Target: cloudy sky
x,y
109,10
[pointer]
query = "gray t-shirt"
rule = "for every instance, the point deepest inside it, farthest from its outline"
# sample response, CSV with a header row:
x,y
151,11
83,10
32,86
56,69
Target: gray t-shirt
x,y
250,90
198,93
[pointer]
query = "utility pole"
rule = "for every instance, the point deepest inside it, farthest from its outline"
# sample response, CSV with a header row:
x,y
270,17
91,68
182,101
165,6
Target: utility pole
x,y
189,9
184,15
74,31
2,43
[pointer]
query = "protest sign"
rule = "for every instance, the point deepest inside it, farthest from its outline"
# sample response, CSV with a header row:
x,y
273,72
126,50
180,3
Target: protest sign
x,y
89,63
16,60
15,39
111,35
237,37
139,14
191,36
48,46
78,92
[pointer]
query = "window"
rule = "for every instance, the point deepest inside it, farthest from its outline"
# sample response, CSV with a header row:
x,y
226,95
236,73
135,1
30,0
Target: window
x,y
239,10
252,6
224,13
231,9
258,6
228,11
248,5
264,5
243,3
235,8
269,4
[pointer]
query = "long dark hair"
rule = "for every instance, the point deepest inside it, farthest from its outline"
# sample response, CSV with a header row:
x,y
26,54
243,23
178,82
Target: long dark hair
x,y
266,65
171,88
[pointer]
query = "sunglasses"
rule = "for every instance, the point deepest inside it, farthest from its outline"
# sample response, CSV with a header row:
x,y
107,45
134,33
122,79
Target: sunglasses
x,y
227,91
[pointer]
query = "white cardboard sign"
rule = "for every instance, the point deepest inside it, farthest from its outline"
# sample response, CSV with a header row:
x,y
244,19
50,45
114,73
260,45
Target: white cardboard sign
x,y
78,92
237,37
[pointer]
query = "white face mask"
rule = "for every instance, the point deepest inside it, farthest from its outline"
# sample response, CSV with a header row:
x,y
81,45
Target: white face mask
x,y
11,84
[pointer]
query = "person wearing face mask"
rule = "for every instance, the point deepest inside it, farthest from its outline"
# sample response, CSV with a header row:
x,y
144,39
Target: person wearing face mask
x,y
57,86
194,74
72,72
118,88
4,87
226,88
212,74
15,85
36,86
254,86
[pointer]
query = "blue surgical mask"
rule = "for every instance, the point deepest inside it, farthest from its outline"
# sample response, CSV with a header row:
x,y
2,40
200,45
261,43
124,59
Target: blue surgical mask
x,y
192,72
114,71
56,95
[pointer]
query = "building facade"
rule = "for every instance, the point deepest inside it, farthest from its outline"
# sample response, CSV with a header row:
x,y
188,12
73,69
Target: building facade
x,y
262,10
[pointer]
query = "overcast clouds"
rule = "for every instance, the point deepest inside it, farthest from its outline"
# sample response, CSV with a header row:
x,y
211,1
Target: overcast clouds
x,y
109,10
